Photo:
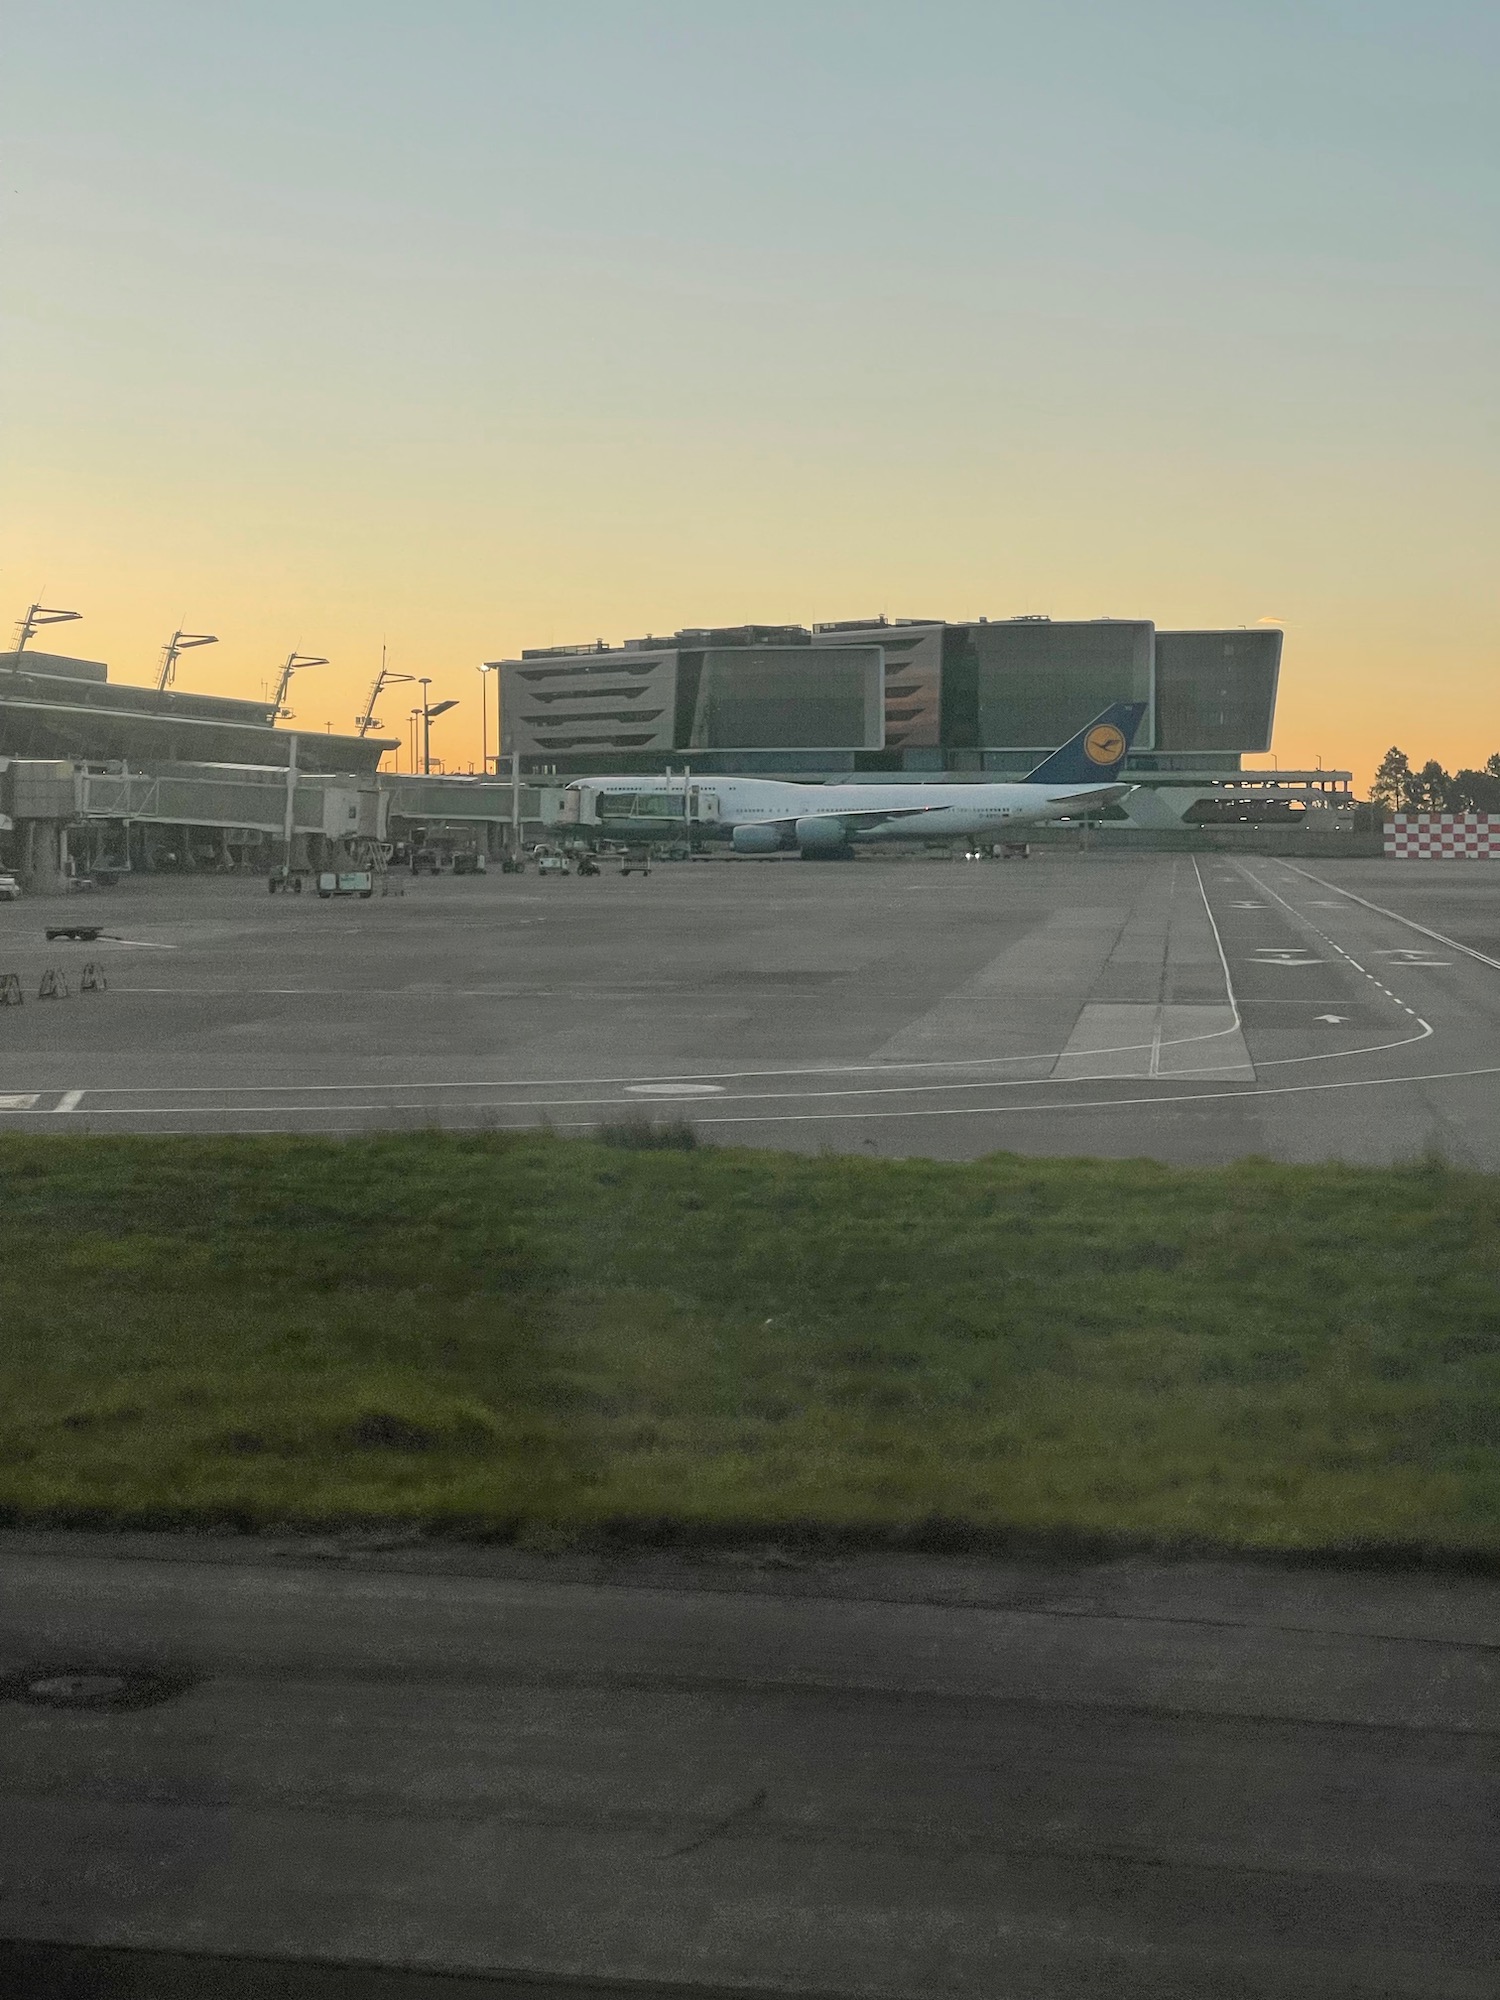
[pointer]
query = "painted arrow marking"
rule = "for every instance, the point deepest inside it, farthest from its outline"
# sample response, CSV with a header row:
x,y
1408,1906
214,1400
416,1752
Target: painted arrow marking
x,y
1333,1020
1247,906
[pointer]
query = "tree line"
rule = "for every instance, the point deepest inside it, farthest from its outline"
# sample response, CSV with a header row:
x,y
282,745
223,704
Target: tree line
x,y
1400,788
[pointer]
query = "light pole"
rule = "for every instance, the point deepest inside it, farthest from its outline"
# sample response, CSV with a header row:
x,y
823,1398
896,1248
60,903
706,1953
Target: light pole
x,y
428,710
489,667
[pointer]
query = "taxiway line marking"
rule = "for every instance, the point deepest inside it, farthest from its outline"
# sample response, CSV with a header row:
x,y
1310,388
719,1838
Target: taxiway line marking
x,y
419,1091
1395,917
1321,1055
1229,991
691,1076
1107,1105
1244,1096
1168,1097
1292,911
841,1069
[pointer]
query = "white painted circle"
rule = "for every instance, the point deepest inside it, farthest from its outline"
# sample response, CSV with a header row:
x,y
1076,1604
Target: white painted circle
x,y
676,1089
76,1687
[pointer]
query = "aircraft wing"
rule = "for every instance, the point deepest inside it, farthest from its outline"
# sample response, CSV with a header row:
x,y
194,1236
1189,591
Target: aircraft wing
x,y
861,816
1104,796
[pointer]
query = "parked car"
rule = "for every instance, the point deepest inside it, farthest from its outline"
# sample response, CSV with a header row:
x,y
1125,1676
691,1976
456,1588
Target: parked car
x,y
10,889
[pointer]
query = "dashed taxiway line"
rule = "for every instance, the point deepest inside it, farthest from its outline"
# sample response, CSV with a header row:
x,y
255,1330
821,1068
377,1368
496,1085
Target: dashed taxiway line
x,y
341,1101
1395,916
1424,1027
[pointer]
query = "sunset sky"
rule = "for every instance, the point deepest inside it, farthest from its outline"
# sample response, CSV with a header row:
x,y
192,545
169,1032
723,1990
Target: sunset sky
x,y
478,324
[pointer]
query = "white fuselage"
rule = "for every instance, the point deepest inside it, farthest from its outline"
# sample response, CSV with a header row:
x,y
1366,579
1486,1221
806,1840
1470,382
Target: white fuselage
x,y
945,811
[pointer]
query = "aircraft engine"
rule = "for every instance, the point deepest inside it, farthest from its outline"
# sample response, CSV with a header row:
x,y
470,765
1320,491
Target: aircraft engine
x,y
756,839
817,835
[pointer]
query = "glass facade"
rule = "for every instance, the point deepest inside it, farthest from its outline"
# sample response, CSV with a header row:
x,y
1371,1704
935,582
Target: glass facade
x,y
1216,690
786,697
876,696
913,678
1035,683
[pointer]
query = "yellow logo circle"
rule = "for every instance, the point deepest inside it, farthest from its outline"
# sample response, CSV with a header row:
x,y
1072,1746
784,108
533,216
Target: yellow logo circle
x,y
1104,745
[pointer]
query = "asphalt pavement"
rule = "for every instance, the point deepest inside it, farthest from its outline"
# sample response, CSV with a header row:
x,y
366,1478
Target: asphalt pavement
x,y
1193,1008
880,1776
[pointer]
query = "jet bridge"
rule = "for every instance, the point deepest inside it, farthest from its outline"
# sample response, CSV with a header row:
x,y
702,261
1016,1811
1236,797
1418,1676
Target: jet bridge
x,y
42,799
670,807
237,796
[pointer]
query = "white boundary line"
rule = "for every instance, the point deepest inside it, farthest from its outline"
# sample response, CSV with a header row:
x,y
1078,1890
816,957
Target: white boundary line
x,y
1156,1044
845,1069
1229,992
1381,911
1246,1096
1424,1027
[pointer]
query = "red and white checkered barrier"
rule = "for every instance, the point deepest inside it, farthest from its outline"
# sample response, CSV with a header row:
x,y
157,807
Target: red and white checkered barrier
x,y
1443,836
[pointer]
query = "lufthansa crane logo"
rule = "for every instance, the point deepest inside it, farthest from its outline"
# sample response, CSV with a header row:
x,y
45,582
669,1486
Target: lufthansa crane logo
x,y
1104,745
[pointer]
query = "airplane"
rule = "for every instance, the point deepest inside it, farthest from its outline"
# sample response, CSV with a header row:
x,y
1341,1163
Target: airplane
x,y
771,815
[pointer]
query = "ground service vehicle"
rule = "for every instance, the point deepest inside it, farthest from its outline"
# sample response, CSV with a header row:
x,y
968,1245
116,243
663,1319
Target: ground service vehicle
x,y
10,889
356,882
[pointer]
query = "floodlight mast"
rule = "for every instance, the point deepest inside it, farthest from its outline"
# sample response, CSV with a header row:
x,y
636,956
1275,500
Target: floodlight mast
x,y
295,662
428,711
37,616
489,667
384,679
179,643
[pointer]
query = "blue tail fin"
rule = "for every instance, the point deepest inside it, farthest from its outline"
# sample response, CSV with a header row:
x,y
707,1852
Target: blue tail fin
x,y
1097,751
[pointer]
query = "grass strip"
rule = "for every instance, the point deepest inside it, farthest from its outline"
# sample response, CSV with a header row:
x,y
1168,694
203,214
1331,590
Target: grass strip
x,y
527,1335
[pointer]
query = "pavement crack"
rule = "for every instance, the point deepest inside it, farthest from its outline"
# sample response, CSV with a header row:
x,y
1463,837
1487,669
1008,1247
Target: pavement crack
x,y
738,1817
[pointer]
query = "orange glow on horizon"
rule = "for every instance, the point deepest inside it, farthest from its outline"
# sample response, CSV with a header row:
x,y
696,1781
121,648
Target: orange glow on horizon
x,y
311,345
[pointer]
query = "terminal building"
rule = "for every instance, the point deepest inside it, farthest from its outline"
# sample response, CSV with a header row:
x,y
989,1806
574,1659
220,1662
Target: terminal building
x,y
100,775
99,778
52,706
919,696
